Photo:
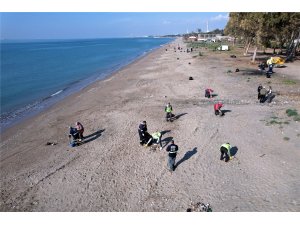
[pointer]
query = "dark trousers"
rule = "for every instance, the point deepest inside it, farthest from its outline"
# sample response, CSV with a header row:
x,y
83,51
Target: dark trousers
x,y
169,115
207,94
171,163
144,137
219,112
224,151
262,98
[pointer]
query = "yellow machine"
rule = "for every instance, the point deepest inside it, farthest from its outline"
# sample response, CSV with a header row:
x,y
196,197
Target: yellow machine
x,y
277,61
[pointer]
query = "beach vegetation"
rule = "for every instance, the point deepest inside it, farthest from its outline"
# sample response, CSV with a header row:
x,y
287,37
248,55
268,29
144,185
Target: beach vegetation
x,y
275,122
291,112
297,118
289,82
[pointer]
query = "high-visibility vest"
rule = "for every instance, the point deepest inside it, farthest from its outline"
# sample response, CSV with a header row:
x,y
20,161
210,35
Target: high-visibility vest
x,y
269,61
169,109
227,146
156,135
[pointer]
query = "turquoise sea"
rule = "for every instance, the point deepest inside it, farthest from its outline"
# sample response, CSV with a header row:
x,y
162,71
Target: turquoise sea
x,y
36,74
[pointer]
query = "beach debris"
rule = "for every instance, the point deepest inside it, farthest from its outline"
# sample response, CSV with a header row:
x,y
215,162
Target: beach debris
x,y
229,71
262,155
237,70
199,207
189,63
177,58
232,56
51,143
191,78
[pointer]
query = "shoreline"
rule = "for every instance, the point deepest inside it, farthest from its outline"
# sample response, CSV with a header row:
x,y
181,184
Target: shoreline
x,y
112,172
27,115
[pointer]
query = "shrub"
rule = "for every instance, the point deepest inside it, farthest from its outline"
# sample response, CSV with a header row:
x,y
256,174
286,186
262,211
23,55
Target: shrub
x,y
297,118
291,112
275,122
289,82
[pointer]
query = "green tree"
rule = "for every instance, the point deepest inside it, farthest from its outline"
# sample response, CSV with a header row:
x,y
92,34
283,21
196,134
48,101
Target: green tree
x,y
266,30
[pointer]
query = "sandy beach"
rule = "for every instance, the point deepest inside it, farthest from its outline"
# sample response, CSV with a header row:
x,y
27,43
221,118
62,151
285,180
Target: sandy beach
x,y
112,172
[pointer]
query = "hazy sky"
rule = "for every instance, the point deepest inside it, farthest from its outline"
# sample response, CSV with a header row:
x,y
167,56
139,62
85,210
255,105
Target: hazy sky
x,y
97,25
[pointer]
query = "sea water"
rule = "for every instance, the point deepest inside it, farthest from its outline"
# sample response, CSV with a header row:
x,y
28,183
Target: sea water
x,y
36,74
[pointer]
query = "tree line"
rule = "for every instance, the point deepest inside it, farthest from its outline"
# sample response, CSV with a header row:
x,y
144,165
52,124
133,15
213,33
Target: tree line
x,y
277,30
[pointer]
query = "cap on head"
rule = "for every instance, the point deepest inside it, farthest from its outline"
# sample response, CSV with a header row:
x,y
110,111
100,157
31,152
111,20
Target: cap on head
x,y
172,141
144,122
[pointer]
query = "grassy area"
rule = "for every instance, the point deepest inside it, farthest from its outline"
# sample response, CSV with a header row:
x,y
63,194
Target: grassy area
x,y
275,122
209,45
291,112
289,82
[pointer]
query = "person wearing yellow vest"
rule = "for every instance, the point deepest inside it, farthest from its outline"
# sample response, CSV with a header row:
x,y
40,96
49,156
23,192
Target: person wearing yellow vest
x,y
168,110
156,138
225,150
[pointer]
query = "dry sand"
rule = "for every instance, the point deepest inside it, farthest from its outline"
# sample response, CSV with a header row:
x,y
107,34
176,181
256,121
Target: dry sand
x,y
112,172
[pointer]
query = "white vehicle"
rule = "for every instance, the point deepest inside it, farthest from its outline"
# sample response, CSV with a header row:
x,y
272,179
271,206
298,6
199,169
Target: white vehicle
x,y
223,48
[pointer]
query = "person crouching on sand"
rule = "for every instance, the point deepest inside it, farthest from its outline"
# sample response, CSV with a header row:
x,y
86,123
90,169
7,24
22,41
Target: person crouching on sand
x,y
217,108
208,92
143,133
80,129
225,150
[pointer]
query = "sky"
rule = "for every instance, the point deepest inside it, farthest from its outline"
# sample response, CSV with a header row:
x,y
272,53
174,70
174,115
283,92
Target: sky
x,y
56,25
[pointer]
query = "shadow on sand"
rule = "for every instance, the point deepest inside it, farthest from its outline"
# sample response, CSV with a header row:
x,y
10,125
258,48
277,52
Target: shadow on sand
x,y
179,115
165,131
93,136
186,156
225,111
166,141
233,150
